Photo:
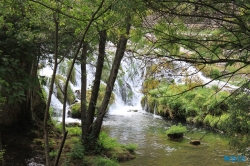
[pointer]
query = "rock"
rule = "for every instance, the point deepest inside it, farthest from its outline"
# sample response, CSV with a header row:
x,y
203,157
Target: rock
x,y
73,124
175,136
135,110
195,142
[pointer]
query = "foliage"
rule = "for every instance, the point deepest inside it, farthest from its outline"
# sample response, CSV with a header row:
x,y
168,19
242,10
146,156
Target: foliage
x,y
106,142
53,154
109,143
130,147
77,151
191,103
237,126
176,129
100,161
76,110
60,82
14,80
209,71
150,84
74,131
1,154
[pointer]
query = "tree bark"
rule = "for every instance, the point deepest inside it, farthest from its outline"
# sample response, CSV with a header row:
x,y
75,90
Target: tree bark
x,y
97,81
83,90
61,148
121,47
74,59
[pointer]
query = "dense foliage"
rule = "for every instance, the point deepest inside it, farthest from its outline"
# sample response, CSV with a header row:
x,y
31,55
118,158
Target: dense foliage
x,y
214,37
174,129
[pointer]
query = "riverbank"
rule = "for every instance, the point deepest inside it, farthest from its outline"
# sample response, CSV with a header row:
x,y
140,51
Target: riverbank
x,y
200,106
26,147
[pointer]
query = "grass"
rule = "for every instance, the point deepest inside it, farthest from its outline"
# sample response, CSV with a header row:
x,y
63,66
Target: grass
x,y
108,151
176,129
100,161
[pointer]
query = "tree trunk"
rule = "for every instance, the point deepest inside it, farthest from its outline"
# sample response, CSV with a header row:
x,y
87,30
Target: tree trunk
x,y
1,146
46,115
121,47
74,59
83,90
97,81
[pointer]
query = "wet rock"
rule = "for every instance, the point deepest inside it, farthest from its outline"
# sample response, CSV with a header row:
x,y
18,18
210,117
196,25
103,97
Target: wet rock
x,y
175,136
195,142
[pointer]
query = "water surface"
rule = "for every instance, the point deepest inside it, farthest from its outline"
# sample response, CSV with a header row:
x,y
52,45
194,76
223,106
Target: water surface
x,y
155,149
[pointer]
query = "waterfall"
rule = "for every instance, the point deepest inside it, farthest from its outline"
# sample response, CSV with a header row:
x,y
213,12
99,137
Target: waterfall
x,y
128,85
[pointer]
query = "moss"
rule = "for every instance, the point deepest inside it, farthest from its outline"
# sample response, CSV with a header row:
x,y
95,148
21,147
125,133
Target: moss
x,y
73,73
150,84
60,82
76,110
176,129
143,101
70,95
62,68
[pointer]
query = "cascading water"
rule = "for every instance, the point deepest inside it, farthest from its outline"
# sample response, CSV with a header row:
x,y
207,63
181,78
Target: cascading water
x,y
129,123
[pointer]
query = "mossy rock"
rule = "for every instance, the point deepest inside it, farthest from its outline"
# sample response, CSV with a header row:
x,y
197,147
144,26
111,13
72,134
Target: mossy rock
x,y
60,82
76,110
195,142
175,136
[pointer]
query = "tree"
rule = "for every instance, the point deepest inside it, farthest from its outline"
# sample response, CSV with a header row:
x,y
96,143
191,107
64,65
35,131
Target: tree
x,y
209,34
121,17
19,54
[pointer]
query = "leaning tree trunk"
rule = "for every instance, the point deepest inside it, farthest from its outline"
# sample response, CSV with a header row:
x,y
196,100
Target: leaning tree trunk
x,y
46,115
121,47
97,81
83,90
74,59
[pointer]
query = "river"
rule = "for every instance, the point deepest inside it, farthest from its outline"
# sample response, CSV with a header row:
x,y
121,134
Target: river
x,y
148,130
155,149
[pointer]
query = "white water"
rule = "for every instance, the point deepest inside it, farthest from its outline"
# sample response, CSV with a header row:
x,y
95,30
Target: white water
x,y
128,90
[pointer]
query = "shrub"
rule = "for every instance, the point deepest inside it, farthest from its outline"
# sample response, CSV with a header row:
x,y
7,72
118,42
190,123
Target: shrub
x,y
74,131
107,142
77,151
176,129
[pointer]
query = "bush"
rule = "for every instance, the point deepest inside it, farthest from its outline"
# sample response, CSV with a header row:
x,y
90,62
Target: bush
x,y
74,131
176,129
